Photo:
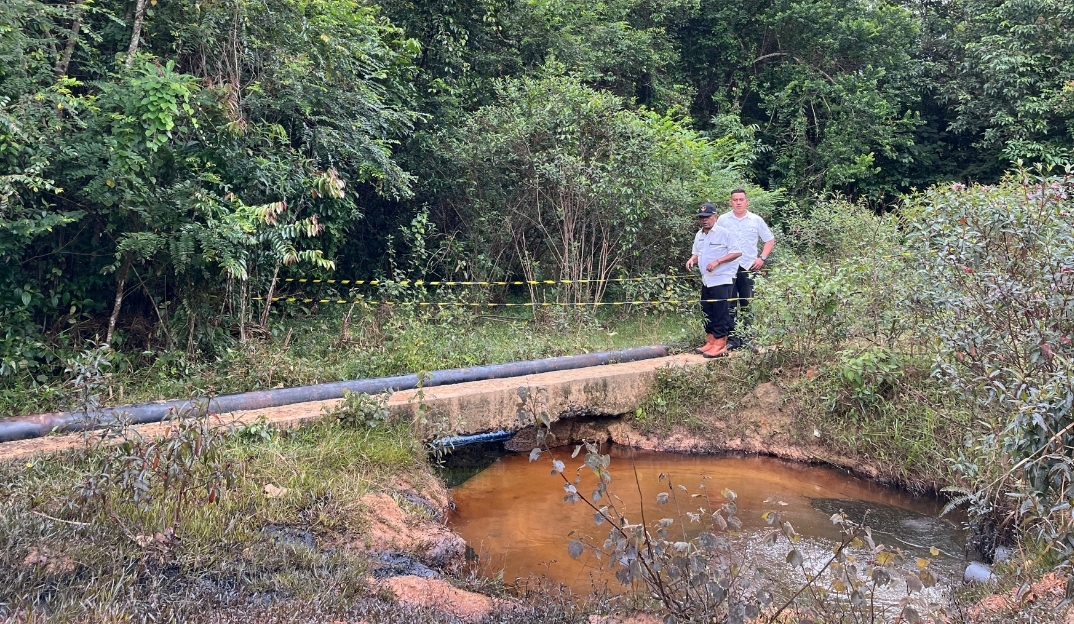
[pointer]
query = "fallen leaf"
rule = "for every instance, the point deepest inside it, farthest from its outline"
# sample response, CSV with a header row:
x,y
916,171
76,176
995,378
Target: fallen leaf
x,y
273,491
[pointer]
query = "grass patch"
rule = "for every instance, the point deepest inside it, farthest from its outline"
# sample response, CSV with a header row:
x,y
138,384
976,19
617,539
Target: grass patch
x,y
891,414
327,348
900,419
250,545
686,396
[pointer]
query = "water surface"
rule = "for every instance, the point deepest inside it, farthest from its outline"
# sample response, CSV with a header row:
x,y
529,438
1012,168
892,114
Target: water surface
x,y
513,516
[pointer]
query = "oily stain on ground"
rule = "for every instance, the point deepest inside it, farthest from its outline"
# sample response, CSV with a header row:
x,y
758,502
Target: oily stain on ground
x,y
512,514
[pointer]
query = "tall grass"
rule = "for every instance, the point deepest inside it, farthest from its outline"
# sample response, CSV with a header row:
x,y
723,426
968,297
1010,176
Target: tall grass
x,y
330,347
67,562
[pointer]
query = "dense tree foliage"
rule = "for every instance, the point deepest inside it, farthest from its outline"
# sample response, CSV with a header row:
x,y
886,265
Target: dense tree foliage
x,y
1013,87
178,164
562,181
164,163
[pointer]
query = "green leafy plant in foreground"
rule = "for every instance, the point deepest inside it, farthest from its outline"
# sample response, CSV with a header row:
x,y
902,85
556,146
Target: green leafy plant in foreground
x,y
998,265
159,480
360,410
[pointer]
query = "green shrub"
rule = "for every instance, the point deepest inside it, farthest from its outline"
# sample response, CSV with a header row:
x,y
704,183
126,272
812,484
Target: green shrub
x,y
997,268
360,411
851,285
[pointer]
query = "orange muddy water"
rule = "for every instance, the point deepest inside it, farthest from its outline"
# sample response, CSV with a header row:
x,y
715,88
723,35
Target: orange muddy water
x,y
514,518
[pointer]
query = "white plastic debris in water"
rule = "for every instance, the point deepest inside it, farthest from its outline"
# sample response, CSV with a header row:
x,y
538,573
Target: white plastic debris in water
x,y
978,572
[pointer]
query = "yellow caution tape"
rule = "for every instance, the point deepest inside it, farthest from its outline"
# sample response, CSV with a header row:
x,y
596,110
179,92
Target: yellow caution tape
x,y
461,304
374,282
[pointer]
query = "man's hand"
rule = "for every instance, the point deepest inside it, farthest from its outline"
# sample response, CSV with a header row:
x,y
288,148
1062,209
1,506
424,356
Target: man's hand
x,y
757,264
712,265
691,263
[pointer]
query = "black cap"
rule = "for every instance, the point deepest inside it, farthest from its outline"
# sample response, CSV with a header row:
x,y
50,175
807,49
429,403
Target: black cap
x,y
706,210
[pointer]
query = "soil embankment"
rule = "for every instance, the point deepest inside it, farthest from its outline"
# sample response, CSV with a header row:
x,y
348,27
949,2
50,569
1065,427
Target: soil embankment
x,y
762,422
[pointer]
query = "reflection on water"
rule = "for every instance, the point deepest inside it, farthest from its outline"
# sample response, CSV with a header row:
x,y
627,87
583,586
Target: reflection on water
x,y
513,516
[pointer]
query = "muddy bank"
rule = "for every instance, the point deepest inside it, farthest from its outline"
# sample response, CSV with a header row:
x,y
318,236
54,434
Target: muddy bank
x,y
763,422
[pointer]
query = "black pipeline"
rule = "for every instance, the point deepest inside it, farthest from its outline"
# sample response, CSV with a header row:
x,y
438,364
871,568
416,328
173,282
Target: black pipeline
x,y
39,425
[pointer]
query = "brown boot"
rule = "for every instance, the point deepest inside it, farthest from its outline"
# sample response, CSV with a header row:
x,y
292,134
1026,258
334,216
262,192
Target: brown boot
x,y
709,341
709,347
719,349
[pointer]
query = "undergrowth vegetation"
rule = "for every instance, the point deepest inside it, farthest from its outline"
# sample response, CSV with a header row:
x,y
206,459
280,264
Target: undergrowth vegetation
x,y
197,519
906,425
907,432
334,345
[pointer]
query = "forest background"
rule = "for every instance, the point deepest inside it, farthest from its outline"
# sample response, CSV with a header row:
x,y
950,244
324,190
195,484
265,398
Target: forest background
x,y
164,164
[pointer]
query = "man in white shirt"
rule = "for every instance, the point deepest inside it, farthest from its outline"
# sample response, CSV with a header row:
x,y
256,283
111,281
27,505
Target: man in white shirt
x,y
714,253
746,228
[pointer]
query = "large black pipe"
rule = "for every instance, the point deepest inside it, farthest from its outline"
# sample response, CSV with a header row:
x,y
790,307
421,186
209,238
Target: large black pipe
x,y
21,428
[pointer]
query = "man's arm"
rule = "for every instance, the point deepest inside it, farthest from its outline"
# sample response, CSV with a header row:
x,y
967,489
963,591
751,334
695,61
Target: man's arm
x,y
769,243
765,252
734,255
692,262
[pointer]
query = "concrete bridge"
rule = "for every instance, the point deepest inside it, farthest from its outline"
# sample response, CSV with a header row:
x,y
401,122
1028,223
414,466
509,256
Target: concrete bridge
x,y
492,405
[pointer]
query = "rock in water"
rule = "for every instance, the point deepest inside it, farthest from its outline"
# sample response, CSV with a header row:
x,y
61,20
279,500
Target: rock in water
x,y
977,572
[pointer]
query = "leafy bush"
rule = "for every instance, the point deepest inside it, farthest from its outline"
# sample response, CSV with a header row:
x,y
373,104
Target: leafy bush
x,y
844,311
850,285
176,178
156,482
997,265
359,410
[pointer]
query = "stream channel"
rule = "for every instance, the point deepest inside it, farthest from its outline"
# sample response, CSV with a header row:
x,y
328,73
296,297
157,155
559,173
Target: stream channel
x,y
516,523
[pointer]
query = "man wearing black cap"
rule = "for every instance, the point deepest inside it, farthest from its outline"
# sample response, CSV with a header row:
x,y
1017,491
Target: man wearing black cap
x,y
714,253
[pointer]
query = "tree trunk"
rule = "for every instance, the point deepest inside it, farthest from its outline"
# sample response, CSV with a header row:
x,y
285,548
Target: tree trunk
x,y
168,338
244,291
190,335
136,32
268,298
121,282
72,42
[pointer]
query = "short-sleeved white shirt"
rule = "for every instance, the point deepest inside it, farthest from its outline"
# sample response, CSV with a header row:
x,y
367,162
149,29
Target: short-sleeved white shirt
x,y
746,231
716,244
698,239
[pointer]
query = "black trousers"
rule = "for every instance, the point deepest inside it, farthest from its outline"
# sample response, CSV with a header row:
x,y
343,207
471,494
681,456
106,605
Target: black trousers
x,y
718,312
742,292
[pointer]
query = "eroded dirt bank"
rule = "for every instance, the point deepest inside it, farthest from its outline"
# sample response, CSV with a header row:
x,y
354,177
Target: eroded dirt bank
x,y
762,422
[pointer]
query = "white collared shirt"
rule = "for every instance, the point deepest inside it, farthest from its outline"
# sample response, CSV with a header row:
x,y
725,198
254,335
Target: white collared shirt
x,y
747,231
716,244
699,238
